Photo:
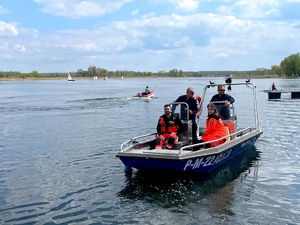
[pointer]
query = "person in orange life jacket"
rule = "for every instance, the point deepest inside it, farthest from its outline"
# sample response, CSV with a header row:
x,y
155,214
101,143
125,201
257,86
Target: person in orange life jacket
x,y
221,96
193,110
168,128
215,128
274,87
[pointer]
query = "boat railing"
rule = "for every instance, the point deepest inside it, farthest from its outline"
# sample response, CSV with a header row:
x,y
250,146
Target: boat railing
x,y
236,134
184,111
184,116
249,85
136,140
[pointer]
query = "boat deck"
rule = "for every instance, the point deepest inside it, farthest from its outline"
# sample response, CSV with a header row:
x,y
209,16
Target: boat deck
x,y
159,151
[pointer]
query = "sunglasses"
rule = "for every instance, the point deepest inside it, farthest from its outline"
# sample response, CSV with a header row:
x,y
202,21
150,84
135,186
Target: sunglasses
x,y
221,89
191,92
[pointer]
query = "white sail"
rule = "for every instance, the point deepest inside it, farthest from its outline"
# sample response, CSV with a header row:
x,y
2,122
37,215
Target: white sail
x,y
70,78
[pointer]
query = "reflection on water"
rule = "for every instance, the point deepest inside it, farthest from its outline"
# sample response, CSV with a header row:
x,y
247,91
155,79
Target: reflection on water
x,y
173,189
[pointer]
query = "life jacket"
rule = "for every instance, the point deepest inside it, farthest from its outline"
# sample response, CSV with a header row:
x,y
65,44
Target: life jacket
x,y
165,129
198,98
215,126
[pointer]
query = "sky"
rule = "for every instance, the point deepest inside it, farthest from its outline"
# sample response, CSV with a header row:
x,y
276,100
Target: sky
x,y
147,35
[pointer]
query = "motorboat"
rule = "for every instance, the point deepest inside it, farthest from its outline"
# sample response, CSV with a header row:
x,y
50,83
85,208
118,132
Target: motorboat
x,y
143,95
139,152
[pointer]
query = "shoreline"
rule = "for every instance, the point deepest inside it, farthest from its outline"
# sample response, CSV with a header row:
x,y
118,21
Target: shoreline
x,y
142,77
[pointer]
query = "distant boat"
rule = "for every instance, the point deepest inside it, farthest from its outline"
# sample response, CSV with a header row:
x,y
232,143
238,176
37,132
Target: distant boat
x,y
95,77
143,95
105,78
122,77
70,78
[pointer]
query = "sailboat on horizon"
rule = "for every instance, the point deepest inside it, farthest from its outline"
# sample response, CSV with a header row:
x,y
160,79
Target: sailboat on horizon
x,y
69,77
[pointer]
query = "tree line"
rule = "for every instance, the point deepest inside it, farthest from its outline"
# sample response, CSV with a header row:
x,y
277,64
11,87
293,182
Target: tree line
x,y
289,66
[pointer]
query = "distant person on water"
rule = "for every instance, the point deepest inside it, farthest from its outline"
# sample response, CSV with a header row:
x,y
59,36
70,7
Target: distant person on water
x,y
146,91
221,96
168,128
215,128
194,109
274,87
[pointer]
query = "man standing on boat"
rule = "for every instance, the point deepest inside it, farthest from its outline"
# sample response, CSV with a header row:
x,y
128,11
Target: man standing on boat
x,y
193,110
168,128
221,96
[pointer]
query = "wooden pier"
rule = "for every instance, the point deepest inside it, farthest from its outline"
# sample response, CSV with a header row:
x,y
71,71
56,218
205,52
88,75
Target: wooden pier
x,y
295,94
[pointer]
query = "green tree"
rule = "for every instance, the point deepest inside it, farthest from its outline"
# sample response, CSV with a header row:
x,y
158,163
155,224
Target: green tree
x,y
291,65
180,73
103,72
92,71
276,69
173,72
81,72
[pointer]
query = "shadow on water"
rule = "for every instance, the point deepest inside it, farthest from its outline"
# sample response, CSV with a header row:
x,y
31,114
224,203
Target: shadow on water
x,y
170,189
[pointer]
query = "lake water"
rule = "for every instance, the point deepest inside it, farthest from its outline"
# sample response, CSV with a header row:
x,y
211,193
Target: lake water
x,y
58,142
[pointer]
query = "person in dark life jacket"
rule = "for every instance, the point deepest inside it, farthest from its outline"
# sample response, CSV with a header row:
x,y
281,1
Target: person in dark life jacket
x,y
194,112
215,128
221,96
168,128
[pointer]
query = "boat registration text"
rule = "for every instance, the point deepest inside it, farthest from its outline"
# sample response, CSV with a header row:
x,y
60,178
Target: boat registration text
x,y
206,161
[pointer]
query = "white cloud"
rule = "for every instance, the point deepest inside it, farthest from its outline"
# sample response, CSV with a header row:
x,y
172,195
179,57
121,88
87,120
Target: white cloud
x,y
3,10
4,46
225,10
257,8
135,12
80,8
20,48
8,29
149,15
184,5
274,12
221,55
160,51
182,42
55,58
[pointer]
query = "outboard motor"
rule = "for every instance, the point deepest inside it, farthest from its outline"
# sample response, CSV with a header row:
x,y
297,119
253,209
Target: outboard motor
x,y
228,81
